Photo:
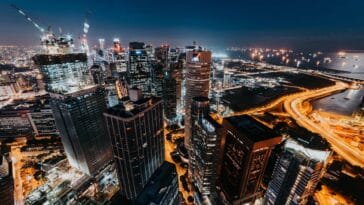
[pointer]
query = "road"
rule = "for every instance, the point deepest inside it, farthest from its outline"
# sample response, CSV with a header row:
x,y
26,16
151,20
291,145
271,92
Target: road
x,y
292,105
326,197
170,147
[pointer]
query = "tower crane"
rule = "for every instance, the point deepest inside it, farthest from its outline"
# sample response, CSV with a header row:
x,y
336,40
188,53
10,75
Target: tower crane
x,y
51,43
40,28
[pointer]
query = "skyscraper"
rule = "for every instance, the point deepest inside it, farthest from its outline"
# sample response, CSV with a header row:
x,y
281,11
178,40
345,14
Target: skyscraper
x,y
77,105
64,72
205,148
169,96
135,128
296,174
247,146
80,122
139,67
157,79
161,55
197,83
119,57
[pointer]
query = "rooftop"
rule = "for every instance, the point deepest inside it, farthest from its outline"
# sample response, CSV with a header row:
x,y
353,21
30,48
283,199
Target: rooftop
x,y
251,128
130,109
157,185
318,155
50,59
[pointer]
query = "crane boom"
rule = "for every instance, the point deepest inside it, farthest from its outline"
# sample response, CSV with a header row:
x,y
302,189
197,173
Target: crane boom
x,y
40,28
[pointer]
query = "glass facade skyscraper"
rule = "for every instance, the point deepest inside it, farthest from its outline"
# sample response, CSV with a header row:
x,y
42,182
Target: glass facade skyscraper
x,y
197,83
135,128
247,147
79,119
296,174
64,73
77,105
139,67
205,148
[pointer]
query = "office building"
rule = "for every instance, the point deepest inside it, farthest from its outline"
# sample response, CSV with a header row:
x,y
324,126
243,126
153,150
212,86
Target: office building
x,y
296,174
162,55
247,145
197,83
177,69
64,72
170,96
119,57
205,149
162,188
139,67
158,72
77,105
135,128
80,122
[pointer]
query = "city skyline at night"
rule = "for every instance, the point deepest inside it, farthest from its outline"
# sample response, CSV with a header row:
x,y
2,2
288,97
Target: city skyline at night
x,y
181,102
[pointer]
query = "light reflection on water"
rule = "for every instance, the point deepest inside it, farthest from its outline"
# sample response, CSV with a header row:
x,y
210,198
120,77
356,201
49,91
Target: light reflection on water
x,y
345,103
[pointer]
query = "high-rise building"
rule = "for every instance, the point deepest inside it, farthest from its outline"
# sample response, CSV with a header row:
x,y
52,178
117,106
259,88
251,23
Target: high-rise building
x,y
247,145
158,72
161,55
169,96
162,188
64,72
135,128
197,83
79,119
296,174
178,74
119,57
6,181
205,149
77,105
139,67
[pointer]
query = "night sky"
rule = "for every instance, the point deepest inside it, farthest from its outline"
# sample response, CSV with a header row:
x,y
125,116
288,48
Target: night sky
x,y
297,24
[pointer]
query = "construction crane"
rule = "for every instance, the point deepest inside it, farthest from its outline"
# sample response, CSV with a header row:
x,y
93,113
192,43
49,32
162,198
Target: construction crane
x,y
40,28
51,44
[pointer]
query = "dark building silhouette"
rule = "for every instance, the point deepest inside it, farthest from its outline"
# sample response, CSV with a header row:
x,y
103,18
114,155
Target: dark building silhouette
x,y
6,181
161,55
247,145
135,128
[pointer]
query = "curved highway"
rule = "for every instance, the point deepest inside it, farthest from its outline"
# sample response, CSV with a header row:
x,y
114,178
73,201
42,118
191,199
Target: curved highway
x,y
292,105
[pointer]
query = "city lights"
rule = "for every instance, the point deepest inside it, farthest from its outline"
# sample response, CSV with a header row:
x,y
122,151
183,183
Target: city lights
x,y
153,102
